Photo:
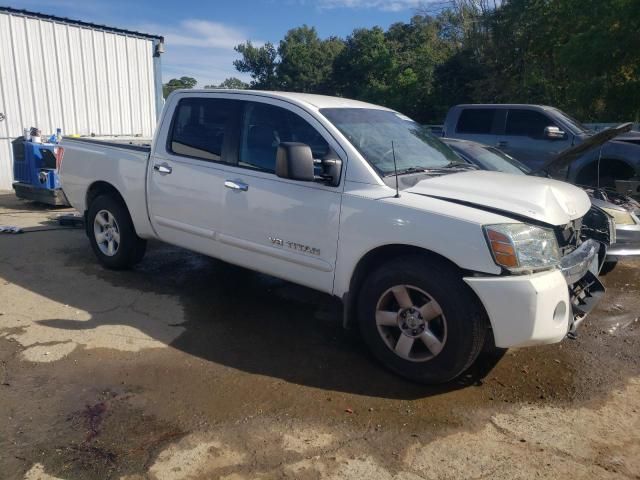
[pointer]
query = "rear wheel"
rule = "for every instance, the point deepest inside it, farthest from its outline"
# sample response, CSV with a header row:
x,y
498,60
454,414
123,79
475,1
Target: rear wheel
x,y
112,235
421,320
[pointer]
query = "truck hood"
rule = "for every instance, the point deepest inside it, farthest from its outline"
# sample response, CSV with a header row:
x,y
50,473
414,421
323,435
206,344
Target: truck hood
x,y
541,199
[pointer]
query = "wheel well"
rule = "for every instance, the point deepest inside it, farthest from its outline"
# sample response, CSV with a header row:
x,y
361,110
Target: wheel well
x,y
95,190
100,188
374,258
609,168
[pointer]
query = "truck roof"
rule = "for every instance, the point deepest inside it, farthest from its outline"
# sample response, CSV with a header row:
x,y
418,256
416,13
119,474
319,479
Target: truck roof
x,y
502,105
308,99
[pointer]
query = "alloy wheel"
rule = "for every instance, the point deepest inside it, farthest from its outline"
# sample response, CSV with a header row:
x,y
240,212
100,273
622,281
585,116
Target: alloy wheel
x,y
106,232
411,323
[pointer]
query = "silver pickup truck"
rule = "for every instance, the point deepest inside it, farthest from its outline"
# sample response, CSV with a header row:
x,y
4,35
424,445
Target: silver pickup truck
x,y
534,134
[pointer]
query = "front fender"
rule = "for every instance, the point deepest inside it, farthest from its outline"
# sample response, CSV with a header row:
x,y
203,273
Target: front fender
x,y
449,230
628,154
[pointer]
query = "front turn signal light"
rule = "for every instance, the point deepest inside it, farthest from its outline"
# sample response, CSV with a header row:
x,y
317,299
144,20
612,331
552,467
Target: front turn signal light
x,y
502,248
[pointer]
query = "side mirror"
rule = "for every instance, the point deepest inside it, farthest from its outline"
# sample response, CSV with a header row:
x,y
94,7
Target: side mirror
x,y
553,133
295,161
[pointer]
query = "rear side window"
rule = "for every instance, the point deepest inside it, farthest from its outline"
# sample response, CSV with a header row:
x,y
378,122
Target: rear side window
x,y
201,126
265,126
476,120
527,123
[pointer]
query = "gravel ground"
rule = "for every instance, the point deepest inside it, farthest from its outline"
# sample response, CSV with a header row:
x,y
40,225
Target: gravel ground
x,y
189,368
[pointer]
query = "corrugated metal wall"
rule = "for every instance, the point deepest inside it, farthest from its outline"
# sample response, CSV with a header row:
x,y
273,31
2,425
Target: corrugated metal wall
x,y
82,80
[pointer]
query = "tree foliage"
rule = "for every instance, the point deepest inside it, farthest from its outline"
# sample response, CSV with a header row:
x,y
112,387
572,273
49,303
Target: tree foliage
x,y
177,83
260,63
582,56
230,83
306,61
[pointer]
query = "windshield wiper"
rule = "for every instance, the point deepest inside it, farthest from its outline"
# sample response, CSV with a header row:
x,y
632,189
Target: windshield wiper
x,y
461,166
406,171
453,166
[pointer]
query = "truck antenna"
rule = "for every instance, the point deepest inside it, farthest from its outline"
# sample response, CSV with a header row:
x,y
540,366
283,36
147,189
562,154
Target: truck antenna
x,y
395,169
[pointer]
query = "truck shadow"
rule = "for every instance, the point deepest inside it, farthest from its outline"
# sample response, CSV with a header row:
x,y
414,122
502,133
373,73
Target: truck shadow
x,y
262,325
231,316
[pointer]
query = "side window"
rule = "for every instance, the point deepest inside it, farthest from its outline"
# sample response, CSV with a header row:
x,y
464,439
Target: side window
x,y
527,123
476,120
200,127
265,126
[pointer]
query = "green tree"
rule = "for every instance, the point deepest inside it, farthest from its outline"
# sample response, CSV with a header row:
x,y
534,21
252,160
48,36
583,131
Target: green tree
x,y
302,62
231,83
395,68
177,83
454,83
582,56
306,61
601,56
419,48
363,67
260,63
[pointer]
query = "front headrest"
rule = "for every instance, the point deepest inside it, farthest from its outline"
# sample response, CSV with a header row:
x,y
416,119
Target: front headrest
x,y
260,136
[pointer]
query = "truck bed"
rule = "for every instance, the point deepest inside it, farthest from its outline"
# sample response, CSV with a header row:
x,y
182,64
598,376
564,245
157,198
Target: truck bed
x,y
128,143
117,161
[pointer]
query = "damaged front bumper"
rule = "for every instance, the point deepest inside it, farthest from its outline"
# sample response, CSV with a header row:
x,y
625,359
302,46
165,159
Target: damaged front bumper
x,y
580,269
583,259
542,307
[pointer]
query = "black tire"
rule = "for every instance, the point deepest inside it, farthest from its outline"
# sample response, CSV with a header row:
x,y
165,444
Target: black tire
x,y
607,267
489,349
464,317
131,248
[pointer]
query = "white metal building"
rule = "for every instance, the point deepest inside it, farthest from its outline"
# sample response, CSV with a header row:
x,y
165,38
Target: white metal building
x,y
83,78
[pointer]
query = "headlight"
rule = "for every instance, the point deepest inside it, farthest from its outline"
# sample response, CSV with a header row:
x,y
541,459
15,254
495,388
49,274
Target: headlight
x,y
622,217
520,247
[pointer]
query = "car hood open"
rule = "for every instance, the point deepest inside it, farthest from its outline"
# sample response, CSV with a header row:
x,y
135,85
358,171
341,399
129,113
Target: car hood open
x,y
541,199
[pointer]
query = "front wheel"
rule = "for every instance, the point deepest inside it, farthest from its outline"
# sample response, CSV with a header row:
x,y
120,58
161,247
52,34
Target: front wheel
x,y
112,234
421,320
608,266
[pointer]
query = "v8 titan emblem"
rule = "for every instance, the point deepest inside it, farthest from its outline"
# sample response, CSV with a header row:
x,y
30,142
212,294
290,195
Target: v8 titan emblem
x,y
278,242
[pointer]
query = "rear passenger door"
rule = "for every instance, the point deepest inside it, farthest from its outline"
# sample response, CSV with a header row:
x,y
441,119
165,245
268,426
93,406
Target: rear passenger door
x,y
525,140
479,125
185,182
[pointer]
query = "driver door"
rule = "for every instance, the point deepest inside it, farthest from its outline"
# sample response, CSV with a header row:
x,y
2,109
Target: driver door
x,y
283,227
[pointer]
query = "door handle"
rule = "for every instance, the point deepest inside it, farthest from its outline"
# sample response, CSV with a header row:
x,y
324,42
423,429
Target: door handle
x,y
502,143
162,168
233,185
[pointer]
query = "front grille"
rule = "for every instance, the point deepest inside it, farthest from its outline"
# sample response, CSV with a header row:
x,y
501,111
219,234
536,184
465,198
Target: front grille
x,y
568,236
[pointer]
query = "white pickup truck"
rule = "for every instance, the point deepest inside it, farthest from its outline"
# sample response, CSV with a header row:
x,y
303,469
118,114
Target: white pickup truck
x,y
433,259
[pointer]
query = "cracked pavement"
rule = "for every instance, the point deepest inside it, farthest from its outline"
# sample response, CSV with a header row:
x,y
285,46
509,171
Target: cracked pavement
x,y
189,368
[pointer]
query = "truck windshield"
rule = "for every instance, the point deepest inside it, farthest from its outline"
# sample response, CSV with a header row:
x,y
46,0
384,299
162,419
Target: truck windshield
x,y
575,124
372,131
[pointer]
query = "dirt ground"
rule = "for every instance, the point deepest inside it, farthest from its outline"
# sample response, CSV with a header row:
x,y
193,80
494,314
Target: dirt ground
x,y
189,368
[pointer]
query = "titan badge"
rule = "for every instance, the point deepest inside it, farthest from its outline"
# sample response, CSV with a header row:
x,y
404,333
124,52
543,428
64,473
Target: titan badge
x,y
278,242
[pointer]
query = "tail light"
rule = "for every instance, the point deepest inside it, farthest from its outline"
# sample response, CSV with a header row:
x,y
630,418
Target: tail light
x,y
59,153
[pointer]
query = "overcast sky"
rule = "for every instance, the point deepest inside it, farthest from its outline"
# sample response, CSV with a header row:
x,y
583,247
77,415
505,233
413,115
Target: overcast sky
x,y
200,35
